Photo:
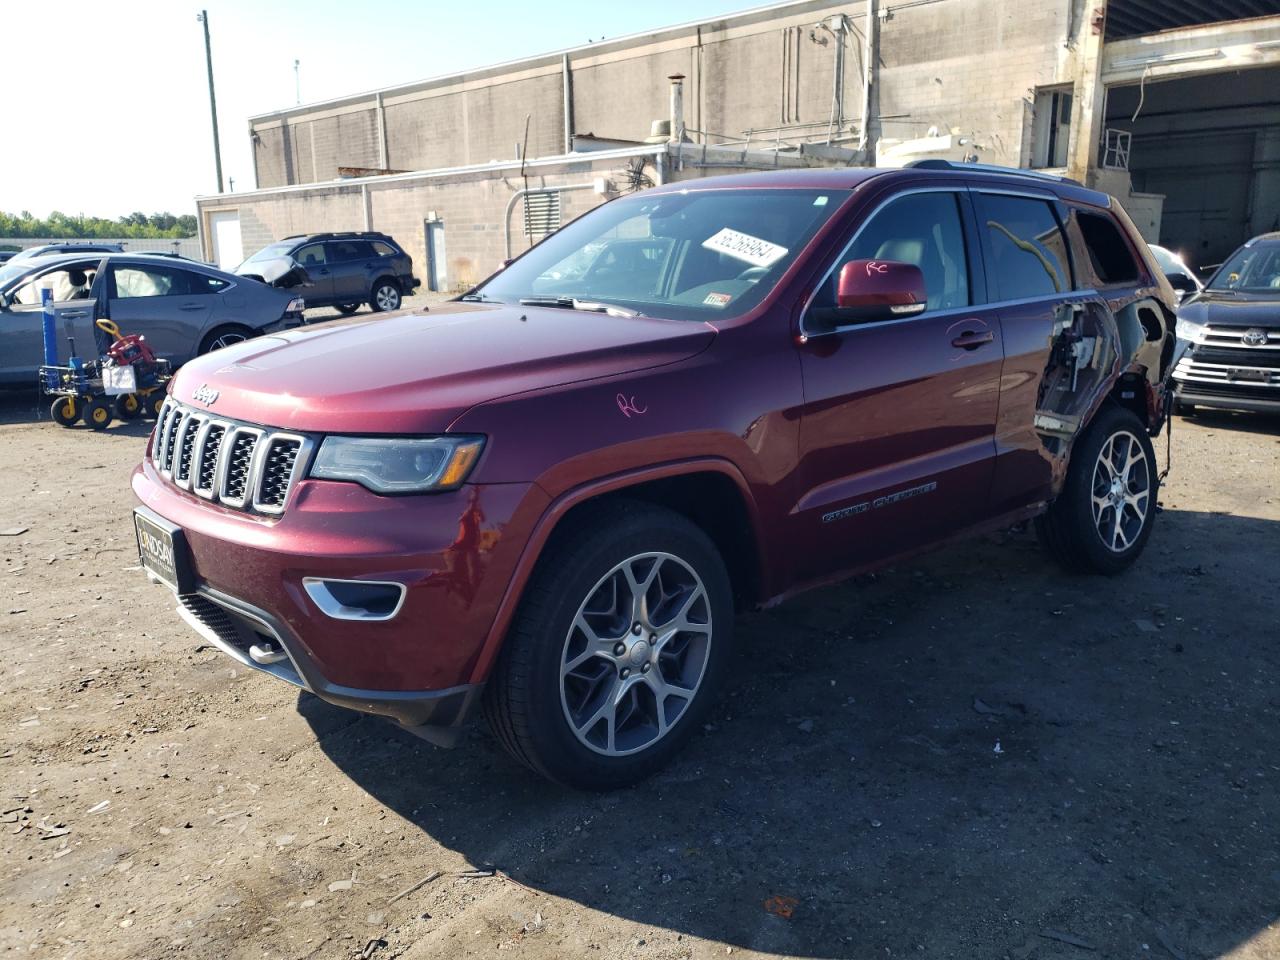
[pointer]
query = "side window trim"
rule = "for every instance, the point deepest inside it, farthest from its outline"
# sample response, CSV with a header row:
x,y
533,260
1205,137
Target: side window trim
x,y
839,259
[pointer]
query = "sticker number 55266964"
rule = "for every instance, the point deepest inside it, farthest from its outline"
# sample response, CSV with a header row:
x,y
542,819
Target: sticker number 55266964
x,y
743,246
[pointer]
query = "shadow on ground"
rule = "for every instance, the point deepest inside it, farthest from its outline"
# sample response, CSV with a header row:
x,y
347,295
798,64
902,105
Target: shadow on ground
x,y
950,759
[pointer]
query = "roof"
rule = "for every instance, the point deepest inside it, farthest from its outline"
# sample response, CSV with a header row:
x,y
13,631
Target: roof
x,y
52,259
848,178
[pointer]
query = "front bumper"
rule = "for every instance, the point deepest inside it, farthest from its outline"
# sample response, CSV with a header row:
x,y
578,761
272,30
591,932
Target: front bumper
x,y
1229,378
453,553
242,632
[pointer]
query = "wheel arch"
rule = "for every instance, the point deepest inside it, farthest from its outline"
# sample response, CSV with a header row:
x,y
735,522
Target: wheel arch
x,y
388,278
709,492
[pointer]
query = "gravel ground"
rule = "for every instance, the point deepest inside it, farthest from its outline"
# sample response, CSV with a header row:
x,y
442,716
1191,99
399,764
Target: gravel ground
x,y
971,755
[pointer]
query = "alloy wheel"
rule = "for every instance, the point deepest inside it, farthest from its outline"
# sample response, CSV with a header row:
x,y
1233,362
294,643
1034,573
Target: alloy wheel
x,y
226,340
387,297
1121,491
635,656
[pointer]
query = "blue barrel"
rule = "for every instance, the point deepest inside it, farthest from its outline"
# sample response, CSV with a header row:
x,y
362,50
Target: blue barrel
x,y
50,336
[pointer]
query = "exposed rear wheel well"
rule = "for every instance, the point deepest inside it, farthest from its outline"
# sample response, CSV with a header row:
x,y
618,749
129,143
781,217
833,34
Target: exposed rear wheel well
x,y
708,499
1130,392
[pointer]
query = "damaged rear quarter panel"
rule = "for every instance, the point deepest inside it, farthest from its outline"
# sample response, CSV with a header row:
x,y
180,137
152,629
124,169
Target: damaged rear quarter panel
x,y
1066,358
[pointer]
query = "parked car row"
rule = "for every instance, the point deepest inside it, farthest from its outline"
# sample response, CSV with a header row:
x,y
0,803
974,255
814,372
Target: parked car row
x,y
185,308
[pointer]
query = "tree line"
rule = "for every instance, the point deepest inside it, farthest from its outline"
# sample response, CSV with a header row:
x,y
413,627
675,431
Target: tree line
x,y
136,225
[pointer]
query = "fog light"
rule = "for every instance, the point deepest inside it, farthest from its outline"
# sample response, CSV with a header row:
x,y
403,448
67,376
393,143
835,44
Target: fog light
x,y
355,599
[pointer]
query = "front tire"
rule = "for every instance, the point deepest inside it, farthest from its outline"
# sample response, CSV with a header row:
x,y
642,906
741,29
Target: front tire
x,y
65,411
385,296
347,308
1103,517
617,651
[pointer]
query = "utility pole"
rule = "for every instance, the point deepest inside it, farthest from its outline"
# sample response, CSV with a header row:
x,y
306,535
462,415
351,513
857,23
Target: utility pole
x,y
297,82
203,17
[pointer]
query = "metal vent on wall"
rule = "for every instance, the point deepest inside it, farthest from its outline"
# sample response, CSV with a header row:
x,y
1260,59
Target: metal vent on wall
x,y
541,213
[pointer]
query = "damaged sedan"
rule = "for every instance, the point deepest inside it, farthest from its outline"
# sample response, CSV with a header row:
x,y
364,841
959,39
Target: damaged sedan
x,y
183,308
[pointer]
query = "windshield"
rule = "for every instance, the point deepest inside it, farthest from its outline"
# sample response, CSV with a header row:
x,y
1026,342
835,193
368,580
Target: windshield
x,y
11,271
694,255
1254,269
270,253
1168,260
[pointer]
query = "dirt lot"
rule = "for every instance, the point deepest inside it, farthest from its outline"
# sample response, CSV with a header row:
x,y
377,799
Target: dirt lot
x,y
968,756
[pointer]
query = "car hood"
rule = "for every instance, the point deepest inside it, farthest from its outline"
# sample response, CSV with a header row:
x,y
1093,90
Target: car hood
x,y
1230,311
418,372
281,272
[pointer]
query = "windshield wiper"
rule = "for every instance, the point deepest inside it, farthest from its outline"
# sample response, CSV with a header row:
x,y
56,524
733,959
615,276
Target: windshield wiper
x,y
573,303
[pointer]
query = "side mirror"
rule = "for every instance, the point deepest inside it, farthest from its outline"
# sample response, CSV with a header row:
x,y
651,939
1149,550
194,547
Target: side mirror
x,y
869,290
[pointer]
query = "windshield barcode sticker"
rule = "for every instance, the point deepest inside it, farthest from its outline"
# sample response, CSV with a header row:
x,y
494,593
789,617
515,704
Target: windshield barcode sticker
x,y
743,246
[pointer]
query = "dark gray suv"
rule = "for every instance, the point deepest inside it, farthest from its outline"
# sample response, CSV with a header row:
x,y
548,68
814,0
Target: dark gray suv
x,y
346,269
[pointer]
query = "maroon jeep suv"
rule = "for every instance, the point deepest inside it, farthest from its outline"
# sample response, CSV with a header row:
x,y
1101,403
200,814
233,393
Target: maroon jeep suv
x,y
547,499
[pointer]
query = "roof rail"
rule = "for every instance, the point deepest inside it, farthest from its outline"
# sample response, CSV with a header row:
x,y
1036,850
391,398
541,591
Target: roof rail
x,y
933,163
328,235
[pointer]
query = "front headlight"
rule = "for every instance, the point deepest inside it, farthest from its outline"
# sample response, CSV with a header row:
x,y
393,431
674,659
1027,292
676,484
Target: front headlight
x,y
398,464
296,305
1189,330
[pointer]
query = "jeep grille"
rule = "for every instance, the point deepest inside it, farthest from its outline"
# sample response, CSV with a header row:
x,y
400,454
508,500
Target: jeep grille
x,y
240,465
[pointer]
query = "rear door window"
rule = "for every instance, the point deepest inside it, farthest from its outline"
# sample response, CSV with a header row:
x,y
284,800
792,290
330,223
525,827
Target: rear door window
x,y
1027,248
340,250
1109,255
384,249
136,281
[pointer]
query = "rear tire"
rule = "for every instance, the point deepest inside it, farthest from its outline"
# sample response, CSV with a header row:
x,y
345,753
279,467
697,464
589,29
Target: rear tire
x,y
385,296
1184,409
1103,517
65,411
97,413
618,648
347,308
225,336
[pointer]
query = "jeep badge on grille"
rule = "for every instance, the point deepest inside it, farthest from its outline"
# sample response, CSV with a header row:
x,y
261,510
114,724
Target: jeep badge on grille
x,y
205,394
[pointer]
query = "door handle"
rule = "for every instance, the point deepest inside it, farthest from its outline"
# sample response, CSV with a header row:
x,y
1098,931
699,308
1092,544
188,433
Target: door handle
x,y
192,306
75,314
972,339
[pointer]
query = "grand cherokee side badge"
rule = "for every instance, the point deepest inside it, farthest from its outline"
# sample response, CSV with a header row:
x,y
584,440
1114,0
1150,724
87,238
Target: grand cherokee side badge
x,y
205,394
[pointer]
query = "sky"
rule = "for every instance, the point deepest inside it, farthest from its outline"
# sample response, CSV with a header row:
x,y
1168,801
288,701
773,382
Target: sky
x,y
114,96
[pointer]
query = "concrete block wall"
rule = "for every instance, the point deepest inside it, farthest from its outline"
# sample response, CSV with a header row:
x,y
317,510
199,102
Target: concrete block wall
x,y
967,64
972,65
